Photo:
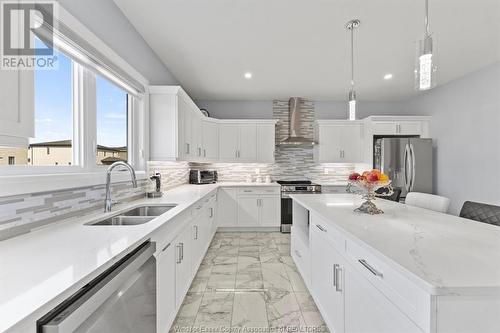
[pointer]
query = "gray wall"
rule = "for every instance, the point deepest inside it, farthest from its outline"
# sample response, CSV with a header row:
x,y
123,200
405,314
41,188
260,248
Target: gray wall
x,y
107,22
466,131
323,109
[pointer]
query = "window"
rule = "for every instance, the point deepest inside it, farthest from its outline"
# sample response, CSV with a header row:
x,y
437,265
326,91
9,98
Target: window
x,y
112,124
53,117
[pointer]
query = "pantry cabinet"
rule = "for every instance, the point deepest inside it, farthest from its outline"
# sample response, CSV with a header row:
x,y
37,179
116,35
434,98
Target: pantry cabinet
x,y
338,141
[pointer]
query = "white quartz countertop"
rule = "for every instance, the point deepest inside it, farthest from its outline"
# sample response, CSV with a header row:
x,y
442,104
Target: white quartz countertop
x,y
40,269
443,254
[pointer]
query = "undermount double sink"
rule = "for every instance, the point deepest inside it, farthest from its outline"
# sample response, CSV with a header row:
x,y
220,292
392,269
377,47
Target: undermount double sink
x,y
135,216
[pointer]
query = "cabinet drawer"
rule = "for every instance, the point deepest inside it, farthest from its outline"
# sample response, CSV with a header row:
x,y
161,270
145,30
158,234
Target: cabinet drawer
x,y
410,299
334,236
259,190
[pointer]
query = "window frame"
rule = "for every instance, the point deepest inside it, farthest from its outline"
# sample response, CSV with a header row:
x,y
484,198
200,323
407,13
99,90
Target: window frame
x,y
84,170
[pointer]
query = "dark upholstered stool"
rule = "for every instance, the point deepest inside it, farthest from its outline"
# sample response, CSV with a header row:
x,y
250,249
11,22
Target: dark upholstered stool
x,y
481,212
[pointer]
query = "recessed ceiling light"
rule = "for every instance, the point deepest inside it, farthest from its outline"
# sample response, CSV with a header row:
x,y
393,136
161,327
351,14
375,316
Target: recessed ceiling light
x,y
248,75
387,76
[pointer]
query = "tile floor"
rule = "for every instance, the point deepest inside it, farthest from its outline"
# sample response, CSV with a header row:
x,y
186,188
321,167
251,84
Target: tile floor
x,y
248,282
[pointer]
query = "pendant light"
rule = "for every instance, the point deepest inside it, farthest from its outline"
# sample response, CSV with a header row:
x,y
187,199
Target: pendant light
x,y
351,25
425,68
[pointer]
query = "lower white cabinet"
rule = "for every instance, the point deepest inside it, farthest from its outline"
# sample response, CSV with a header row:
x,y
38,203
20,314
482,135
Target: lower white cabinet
x,y
165,287
183,268
227,202
249,206
368,310
327,280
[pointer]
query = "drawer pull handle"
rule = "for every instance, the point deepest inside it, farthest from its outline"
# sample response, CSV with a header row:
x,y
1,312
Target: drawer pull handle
x,y
370,268
298,254
166,247
338,282
320,227
247,190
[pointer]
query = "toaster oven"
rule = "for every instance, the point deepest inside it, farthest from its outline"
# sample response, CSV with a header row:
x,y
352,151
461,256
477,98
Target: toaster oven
x,y
202,176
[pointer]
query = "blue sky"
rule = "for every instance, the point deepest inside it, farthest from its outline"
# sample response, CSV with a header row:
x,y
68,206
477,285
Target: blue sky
x,y
53,107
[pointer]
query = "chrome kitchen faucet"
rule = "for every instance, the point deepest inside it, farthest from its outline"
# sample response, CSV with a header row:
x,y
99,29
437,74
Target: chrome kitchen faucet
x,y
108,203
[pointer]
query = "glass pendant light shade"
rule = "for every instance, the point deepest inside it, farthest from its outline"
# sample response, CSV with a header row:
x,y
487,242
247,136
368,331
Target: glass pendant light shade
x,y
352,105
425,67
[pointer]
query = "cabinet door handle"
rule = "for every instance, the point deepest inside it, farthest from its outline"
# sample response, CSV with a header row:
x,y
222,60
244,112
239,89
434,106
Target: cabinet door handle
x,y
335,266
195,232
179,254
338,282
298,254
204,153
211,212
320,227
182,251
187,148
166,247
340,153
370,268
236,153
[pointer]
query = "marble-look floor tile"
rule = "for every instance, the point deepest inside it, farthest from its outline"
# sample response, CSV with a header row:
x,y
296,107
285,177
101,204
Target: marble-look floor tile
x,y
224,269
248,265
187,313
215,311
219,260
270,256
249,280
243,249
274,276
249,312
295,278
310,312
283,311
220,281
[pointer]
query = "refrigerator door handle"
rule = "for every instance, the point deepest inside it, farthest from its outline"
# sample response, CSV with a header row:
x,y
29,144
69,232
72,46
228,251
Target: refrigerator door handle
x,y
412,154
405,167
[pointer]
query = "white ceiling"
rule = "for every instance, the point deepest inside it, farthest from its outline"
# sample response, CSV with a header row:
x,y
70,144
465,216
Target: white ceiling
x,y
301,48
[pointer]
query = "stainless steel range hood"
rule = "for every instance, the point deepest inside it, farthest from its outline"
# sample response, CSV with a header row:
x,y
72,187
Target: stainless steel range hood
x,y
294,137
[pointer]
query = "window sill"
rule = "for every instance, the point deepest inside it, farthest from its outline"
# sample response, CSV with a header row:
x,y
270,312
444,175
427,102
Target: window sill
x,y
26,184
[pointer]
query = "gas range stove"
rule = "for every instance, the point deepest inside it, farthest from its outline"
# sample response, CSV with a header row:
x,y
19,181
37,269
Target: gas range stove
x,y
298,186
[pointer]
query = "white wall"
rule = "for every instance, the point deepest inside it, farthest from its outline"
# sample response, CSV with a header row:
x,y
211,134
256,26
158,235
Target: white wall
x,y
323,109
466,131
107,22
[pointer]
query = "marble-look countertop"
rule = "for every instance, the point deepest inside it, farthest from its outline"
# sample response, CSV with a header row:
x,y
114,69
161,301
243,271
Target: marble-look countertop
x,y
41,268
443,254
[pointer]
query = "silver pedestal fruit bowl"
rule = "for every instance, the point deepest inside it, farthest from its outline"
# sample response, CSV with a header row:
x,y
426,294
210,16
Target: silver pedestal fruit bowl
x,y
367,190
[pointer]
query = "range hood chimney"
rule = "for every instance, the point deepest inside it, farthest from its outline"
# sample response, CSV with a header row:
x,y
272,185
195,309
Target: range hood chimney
x,y
294,136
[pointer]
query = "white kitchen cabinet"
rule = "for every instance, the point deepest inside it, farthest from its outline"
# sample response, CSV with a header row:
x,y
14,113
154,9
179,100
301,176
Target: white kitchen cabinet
x,y
327,279
183,267
165,287
368,310
227,207
248,211
270,207
397,127
246,141
199,236
339,141
17,111
210,140
266,143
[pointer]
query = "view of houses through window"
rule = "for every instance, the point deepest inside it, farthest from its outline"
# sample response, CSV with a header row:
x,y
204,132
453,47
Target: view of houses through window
x,y
52,144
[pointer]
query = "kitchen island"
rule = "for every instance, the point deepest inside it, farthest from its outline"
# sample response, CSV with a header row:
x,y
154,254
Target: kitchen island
x,y
408,270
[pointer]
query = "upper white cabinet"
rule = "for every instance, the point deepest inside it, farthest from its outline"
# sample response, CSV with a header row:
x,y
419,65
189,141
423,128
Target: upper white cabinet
x,y
16,107
210,140
339,141
180,132
418,126
246,141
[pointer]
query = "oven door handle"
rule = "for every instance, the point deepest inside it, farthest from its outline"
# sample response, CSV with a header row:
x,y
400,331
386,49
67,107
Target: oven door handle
x,y
86,303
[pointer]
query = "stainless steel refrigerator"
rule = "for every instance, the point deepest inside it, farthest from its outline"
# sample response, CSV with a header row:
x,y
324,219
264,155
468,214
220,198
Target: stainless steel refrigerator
x,y
407,161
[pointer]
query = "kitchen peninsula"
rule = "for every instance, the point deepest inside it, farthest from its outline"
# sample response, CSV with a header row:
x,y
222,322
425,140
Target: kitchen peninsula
x,y
407,270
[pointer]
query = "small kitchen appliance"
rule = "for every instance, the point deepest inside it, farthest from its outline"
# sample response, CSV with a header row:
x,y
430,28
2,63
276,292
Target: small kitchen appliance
x,y
202,177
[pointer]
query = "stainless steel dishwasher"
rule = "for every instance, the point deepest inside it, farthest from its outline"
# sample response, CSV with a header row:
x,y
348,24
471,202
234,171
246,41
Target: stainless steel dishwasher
x,y
121,299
